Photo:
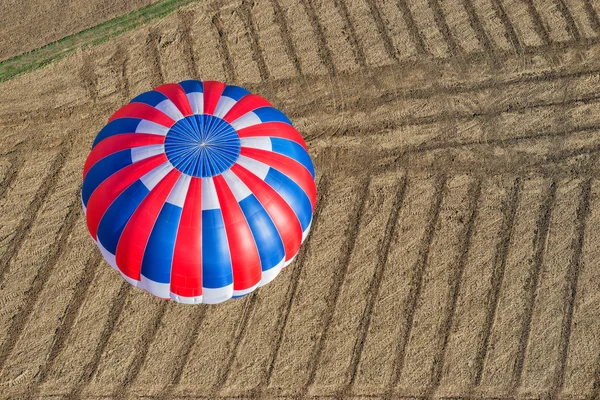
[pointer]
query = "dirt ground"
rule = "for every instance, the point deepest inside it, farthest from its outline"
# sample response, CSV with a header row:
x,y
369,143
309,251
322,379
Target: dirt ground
x,y
454,251
27,25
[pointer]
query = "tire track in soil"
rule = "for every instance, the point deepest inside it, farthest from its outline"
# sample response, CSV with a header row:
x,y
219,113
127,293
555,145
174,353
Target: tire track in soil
x,y
246,314
510,32
88,77
540,240
67,321
442,25
382,29
477,27
181,360
350,33
538,25
416,284
228,66
92,366
351,234
413,30
375,285
280,19
323,51
455,287
119,62
37,285
322,198
141,351
186,20
17,160
510,211
583,211
570,22
592,15
257,53
153,53
47,187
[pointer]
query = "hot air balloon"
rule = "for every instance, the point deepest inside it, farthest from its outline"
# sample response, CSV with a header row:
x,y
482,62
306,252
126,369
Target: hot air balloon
x,y
198,191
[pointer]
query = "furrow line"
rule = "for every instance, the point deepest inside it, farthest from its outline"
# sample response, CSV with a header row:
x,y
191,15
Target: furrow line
x,y
455,287
186,20
538,24
88,77
417,283
375,284
382,29
540,240
47,187
413,30
323,196
511,34
284,30
119,60
17,161
92,366
153,52
350,33
592,15
510,211
583,211
571,26
477,27
257,52
20,319
141,351
442,25
340,275
323,50
224,48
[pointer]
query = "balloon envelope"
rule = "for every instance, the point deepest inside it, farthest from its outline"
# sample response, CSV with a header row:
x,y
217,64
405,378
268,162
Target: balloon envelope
x,y
198,191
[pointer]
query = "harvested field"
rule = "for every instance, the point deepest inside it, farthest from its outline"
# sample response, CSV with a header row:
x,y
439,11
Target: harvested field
x,y
453,252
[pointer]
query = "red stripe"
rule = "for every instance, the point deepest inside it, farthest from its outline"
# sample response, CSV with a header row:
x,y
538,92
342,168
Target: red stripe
x,y
246,104
287,166
132,244
212,94
177,95
245,260
144,111
273,129
280,212
113,186
186,273
119,142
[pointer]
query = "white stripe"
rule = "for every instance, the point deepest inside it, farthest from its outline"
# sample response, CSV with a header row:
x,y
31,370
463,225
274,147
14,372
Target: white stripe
x,y
256,167
196,100
146,126
108,256
158,289
143,152
245,121
238,188
289,261
214,296
305,233
245,291
151,179
84,207
257,142
223,106
186,300
170,109
270,274
210,201
132,281
179,192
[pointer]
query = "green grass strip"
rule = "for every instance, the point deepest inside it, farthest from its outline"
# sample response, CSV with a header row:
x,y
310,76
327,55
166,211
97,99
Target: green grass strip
x,y
92,36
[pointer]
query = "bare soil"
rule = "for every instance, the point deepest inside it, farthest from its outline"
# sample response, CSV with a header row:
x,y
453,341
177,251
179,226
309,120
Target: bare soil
x,y
454,251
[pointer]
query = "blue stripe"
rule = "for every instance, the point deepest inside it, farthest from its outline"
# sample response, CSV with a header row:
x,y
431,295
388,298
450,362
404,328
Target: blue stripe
x,y
270,114
102,170
115,127
235,92
267,238
292,194
293,150
216,263
191,86
120,211
152,98
158,256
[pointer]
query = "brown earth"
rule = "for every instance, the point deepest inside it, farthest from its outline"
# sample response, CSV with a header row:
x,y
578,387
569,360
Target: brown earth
x,y
454,251
27,25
